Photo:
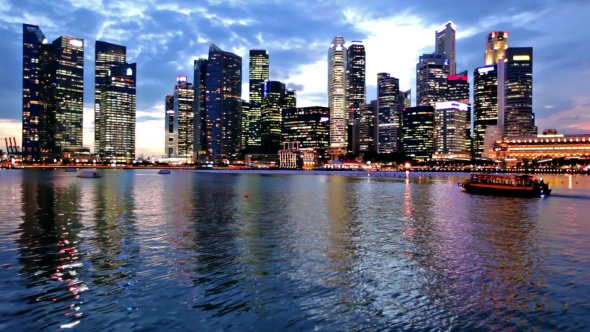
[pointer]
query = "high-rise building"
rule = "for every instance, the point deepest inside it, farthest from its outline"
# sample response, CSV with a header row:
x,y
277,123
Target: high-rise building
x,y
199,106
519,119
70,91
184,98
365,128
169,126
450,120
496,45
406,98
310,126
224,92
389,110
485,104
33,39
117,115
418,132
275,98
445,44
458,90
259,72
337,87
356,81
106,56
431,81
245,125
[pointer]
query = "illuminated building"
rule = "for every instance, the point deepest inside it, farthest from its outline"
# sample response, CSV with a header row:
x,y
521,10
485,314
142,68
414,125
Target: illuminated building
x,y
365,128
337,99
418,132
169,126
389,110
450,120
431,81
405,98
259,72
309,126
275,98
519,119
33,39
224,99
70,91
200,117
183,118
292,156
496,45
245,125
540,147
117,114
445,44
106,56
355,71
458,90
485,104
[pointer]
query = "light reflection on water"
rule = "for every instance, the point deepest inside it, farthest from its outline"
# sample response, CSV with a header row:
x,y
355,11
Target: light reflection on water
x,y
136,250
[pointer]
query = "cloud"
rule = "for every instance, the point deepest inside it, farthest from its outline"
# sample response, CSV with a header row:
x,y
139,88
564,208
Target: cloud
x,y
574,120
164,38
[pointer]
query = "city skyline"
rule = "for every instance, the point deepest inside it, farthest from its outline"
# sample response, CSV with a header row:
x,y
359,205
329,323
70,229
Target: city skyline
x,y
299,53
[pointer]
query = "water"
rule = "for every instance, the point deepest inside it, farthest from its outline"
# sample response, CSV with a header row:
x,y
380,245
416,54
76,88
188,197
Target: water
x,y
188,251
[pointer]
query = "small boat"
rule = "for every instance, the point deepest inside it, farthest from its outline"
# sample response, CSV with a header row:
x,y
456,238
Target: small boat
x,y
507,185
71,170
89,174
164,171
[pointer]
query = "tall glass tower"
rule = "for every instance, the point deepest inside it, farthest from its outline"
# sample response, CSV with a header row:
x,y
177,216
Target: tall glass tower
x,y
356,80
259,73
106,56
389,110
445,44
496,45
224,99
337,86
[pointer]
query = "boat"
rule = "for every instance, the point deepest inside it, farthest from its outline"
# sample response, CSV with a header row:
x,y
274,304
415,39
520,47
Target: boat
x,y
71,170
164,171
89,174
507,185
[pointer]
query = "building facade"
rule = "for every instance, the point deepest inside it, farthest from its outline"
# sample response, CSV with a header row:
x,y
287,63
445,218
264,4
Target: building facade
x,y
259,73
389,110
431,81
366,128
275,98
337,100
309,126
485,104
106,56
169,141
445,44
450,120
519,119
245,126
356,78
199,106
224,92
496,45
418,132
117,115
458,90
544,146
183,118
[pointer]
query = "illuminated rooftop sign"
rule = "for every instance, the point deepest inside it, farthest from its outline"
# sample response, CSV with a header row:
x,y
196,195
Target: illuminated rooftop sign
x,y
445,105
181,78
486,69
521,58
324,119
76,42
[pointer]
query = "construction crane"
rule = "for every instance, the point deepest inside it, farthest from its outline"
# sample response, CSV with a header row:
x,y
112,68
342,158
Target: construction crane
x,y
11,147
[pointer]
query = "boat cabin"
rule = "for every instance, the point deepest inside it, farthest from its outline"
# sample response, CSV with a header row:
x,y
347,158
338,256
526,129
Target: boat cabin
x,y
504,180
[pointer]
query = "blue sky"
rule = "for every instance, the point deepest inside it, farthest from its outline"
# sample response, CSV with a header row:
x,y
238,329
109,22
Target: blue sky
x,y
164,37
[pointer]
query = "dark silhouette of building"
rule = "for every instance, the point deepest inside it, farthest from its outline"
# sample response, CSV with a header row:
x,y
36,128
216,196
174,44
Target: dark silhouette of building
x,y
418,132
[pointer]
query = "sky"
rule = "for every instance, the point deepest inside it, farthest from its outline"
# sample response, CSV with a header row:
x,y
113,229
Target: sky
x,y
164,37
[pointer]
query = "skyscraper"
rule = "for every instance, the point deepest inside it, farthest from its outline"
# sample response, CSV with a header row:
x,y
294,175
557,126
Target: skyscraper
x,y
275,98
519,119
200,117
69,54
458,90
445,44
496,45
418,132
366,128
183,118
245,125
337,87
116,133
169,126
485,104
259,72
431,81
33,39
355,72
106,56
389,110
224,92
310,126
450,120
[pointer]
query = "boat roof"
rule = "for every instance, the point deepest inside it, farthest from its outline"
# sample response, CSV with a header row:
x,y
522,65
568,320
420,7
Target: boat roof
x,y
494,175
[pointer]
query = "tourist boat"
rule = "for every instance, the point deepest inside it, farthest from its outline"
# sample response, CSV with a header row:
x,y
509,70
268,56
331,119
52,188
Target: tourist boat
x,y
89,174
509,185
71,170
164,171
